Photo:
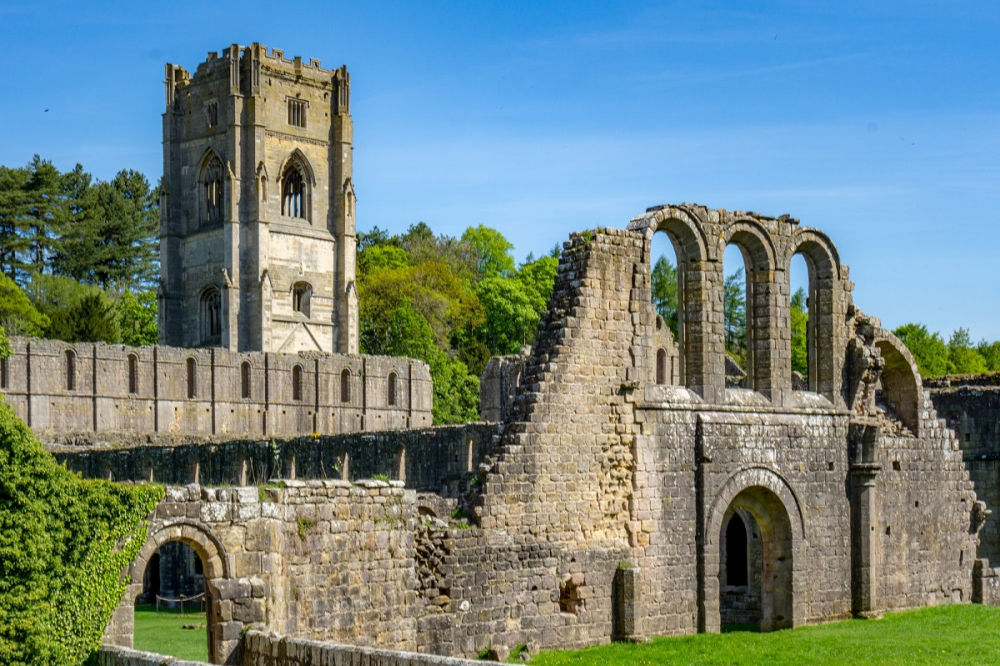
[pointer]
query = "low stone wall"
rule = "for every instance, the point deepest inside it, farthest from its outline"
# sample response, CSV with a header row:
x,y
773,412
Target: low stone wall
x,y
426,458
58,387
985,584
110,655
260,649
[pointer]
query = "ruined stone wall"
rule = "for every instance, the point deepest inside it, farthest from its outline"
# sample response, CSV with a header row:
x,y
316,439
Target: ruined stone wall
x,y
433,458
59,388
971,407
317,559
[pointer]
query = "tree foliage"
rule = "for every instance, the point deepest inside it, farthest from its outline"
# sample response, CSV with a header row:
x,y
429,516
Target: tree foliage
x,y
452,302
64,543
928,349
799,325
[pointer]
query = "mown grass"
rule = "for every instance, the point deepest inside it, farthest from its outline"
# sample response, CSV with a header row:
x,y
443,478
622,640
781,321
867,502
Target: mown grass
x,y
163,633
959,634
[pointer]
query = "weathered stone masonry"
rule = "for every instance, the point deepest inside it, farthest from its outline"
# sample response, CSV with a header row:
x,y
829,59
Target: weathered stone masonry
x,y
60,389
612,502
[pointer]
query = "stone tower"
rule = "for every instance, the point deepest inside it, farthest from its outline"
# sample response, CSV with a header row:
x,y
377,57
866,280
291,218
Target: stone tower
x,y
257,231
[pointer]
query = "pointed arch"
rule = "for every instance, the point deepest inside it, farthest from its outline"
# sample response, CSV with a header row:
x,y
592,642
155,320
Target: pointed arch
x,y
295,181
212,174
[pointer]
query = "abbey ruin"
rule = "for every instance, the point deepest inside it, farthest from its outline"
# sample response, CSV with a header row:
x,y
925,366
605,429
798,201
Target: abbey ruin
x,y
619,488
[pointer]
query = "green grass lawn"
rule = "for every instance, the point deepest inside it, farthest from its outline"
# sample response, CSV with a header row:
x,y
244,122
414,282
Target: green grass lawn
x,y
960,634
163,633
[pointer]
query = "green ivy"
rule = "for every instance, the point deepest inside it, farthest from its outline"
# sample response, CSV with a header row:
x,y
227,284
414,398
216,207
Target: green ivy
x,y
64,543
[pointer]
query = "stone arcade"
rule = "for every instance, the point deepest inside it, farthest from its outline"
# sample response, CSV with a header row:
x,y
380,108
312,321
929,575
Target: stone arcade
x,y
623,490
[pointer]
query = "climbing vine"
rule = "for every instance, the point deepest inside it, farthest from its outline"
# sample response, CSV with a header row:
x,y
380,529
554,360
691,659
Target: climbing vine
x,y
64,543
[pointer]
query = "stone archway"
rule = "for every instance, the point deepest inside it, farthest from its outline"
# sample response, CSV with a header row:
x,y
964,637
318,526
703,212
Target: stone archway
x,y
768,508
763,596
215,566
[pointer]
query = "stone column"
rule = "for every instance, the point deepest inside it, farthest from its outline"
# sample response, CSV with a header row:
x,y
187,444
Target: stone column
x,y
865,546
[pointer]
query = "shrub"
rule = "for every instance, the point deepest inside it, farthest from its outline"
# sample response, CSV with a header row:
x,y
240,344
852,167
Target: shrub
x,y
64,543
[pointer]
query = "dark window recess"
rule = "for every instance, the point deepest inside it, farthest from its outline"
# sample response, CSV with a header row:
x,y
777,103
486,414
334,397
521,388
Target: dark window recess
x,y
212,114
133,374
392,388
345,386
297,383
192,378
736,551
245,380
70,370
297,112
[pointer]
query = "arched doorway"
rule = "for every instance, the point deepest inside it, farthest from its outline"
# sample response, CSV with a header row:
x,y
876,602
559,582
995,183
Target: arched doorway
x,y
213,563
170,612
755,562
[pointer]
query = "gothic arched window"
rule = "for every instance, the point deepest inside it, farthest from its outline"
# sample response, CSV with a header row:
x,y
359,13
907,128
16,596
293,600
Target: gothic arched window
x,y
210,316
295,182
212,191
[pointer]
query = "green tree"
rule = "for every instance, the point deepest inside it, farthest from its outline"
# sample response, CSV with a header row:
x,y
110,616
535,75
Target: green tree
x,y
114,240
990,351
136,316
94,320
800,322
17,315
964,358
511,320
735,312
46,214
538,277
928,349
13,212
490,252
664,287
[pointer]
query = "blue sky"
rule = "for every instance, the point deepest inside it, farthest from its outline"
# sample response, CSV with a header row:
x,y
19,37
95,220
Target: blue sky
x,y
877,122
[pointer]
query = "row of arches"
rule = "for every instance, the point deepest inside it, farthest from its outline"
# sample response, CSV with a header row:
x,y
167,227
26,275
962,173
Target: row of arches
x,y
295,182
702,297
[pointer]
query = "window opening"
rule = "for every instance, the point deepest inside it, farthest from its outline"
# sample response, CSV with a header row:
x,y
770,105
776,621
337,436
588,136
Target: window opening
x,y
297,383
798,272
245,380
212,114
734,308
212,188
661,366
345,386
302,297
192,378
736,551
133,374
297,112
3,373
392,388
70,370
211,315
292,188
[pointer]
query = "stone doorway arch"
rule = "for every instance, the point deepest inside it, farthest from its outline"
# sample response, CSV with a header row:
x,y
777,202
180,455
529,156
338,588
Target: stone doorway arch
x,y
773,528
763,595
215,566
